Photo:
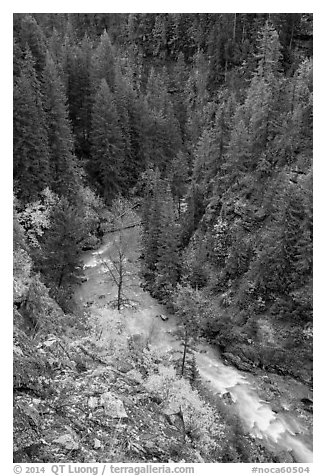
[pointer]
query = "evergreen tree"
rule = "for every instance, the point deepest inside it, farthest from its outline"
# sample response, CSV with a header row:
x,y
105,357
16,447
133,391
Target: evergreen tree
x,y
18,59
157,92
103,62
138,140
163,127
178,177
123,99
63,170
32,37
264,101
239,150
282,262
258,120
55,47
295,139
159,36
107,146
205,163
31,152
194,261
151,216
189,311
221,46
60,246
85,97
179,81
211,150
195,208
196,98
268,52
161,267
80,92
168,260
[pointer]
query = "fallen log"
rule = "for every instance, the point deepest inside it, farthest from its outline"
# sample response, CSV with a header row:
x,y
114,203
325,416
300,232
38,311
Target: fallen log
x,y
125,227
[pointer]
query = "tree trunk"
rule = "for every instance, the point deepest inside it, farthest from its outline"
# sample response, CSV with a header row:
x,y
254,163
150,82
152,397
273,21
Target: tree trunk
x,y
185,348
234,25
243,34
119,292
183,426
179,207
99,231
291,39
61,276
125,227
225,70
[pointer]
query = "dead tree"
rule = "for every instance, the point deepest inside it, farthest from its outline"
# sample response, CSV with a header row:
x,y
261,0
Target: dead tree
x,y
117,270
122,218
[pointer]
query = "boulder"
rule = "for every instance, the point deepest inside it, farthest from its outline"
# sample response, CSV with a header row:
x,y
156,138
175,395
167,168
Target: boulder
x,y
227,397
112,405
308,404
97,444
237,362
124,367
67,441
276,407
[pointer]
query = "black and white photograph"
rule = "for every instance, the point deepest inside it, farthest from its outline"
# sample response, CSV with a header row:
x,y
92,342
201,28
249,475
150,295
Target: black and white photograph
x,y
162,240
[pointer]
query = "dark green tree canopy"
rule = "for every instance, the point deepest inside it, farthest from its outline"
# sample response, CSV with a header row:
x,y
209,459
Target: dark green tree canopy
x,y
106,143
31,151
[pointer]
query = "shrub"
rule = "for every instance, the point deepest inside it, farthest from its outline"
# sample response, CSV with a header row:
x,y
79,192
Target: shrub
x,y
201,424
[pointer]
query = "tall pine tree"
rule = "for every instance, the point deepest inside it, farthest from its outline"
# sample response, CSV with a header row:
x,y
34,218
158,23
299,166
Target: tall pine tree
x,y
64,176
107,147
32,37
31,152
168,259
103,62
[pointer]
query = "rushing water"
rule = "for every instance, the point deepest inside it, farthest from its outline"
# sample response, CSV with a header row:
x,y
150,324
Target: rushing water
x,y
280,431
276,429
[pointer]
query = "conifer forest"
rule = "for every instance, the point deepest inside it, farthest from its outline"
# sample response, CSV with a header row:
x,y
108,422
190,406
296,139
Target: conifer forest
x,y
163,224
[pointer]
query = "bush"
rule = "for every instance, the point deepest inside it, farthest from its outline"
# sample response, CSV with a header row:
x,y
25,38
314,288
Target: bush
x,y
201,424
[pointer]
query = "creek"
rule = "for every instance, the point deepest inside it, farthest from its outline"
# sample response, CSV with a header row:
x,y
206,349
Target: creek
x,y
278,431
